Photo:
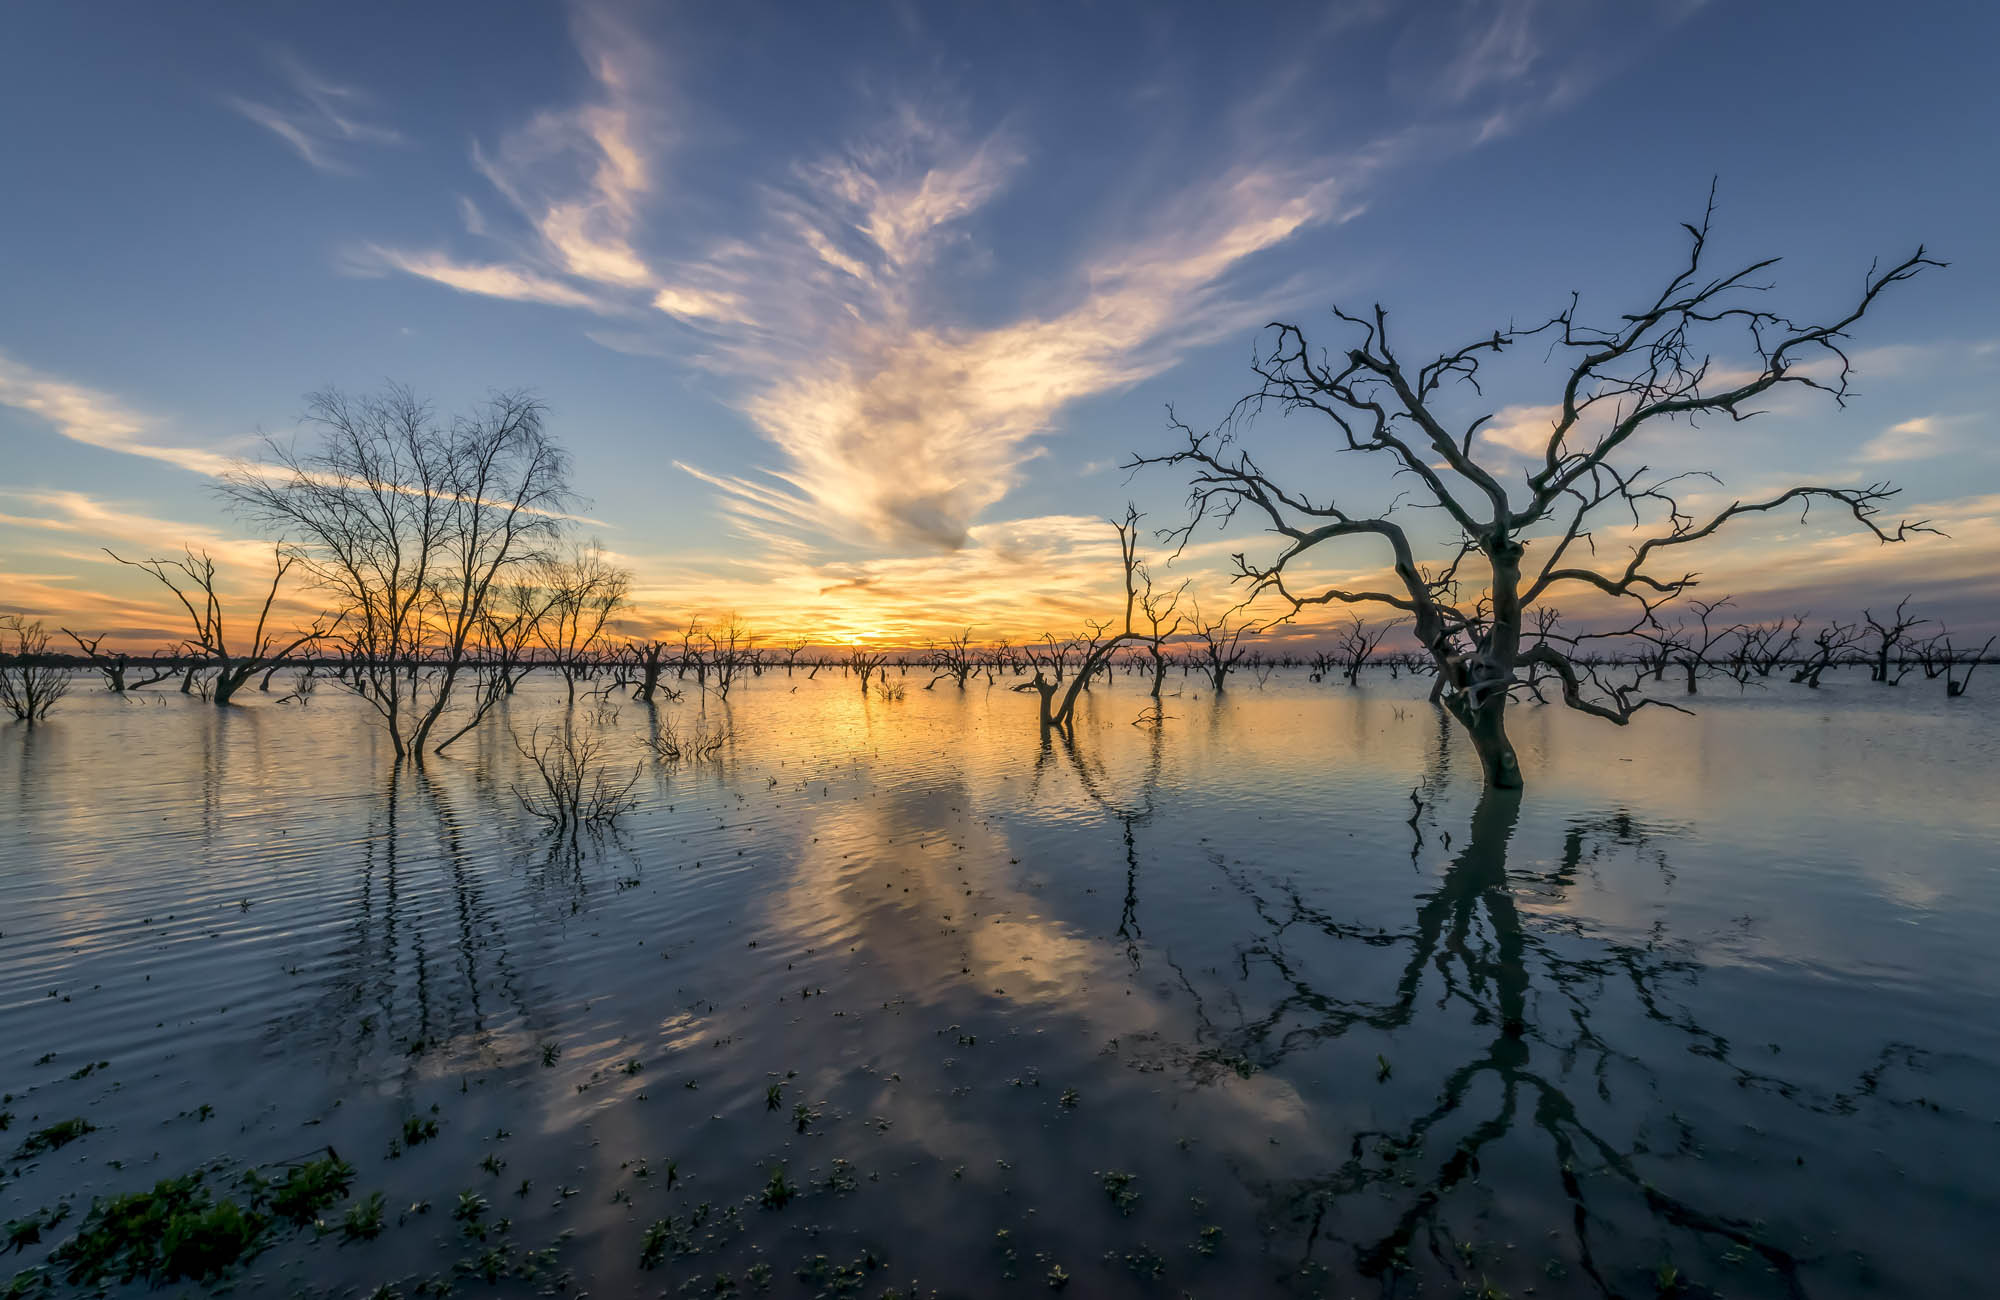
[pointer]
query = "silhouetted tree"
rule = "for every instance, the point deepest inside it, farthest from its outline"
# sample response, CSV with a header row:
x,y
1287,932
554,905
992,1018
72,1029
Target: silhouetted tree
x,y
1220,643
1891,635
1163,619
1648,369
1831,644
415,526
1090,649
584,591
30,681
192,580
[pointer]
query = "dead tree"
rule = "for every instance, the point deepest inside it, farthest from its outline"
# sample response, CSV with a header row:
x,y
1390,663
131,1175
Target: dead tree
x,y
1891,634
415,526
1693,648
652,658
192,580
1760,647
113,664
507,628
863,662
1219,644
585,591
1355,645
1832,645
1647,370
30,680
954,660
1076,660
1937,658
1163,619
731,648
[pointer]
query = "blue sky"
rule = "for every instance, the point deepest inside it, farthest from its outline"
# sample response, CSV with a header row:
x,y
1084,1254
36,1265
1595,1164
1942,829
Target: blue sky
x,y
849,312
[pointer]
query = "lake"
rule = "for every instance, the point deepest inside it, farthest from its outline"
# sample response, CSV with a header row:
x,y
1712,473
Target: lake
x,y
893,998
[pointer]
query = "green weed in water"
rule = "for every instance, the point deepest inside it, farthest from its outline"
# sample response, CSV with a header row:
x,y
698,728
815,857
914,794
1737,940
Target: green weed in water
x,y
53,1138
363,1221
778,1190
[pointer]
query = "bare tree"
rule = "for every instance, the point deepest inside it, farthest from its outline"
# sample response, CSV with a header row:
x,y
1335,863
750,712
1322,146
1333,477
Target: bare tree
x,y
954,659
1831,645
30,681
1760,647
584,591
1088,651
192,580
1163,619
1936,656
862,661
112,663
1693,647
415,526
1220,643
1891,634
1649,369
731,648
1358,643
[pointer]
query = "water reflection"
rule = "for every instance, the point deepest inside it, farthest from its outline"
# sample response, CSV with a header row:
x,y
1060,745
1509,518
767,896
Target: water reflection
x,y
1402,1049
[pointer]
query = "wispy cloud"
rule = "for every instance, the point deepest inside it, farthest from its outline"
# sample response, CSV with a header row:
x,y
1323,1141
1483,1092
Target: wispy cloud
x,y
836,313
1918,439
490,280
319,118
84,415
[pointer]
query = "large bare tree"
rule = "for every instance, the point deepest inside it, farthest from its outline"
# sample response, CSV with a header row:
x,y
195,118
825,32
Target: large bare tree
x,y
1646,372
416,525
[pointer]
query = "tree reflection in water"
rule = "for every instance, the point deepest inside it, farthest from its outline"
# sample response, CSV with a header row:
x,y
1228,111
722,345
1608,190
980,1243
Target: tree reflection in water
x,y
1531,989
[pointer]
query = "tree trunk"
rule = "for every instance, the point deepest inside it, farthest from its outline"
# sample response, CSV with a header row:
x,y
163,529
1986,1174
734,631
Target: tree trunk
x,y
1488,728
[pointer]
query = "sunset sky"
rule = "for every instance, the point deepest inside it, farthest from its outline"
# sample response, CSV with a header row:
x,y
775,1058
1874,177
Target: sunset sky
x,y
849,313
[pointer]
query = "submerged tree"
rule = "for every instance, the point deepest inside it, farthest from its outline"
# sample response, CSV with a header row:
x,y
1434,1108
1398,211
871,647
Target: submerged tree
x,y
1645,372
192,580
585,591
416,526
30,681
1220,643
1063,667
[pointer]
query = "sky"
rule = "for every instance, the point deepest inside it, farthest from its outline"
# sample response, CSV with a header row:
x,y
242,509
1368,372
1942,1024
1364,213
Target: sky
x,y
850,315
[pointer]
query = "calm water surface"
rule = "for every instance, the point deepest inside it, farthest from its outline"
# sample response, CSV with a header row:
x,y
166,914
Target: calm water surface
x,y
1185,1009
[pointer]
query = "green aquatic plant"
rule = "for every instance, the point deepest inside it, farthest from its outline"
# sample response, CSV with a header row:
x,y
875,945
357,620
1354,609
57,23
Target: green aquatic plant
x,y
363,1220
306,1189
53,1138
418,1129
778,1190
1118,1186
177,1230
27,1231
